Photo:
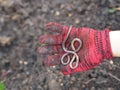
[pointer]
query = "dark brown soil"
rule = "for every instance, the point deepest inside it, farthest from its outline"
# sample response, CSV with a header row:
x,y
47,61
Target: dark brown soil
x,y
22,22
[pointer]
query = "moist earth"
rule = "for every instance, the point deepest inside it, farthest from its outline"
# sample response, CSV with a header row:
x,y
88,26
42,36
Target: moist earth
x,y
21,24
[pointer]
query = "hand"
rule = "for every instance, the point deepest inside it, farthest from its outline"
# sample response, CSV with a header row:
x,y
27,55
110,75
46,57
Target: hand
x,y
95,47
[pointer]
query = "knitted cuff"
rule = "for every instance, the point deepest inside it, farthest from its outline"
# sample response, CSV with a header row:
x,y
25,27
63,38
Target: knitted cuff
x,y
104,45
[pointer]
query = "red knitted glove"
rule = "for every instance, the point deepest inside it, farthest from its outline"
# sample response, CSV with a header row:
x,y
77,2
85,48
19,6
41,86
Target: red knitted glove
x,y
95,47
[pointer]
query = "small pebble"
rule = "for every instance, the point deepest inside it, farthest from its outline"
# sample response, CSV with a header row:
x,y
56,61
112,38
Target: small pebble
x,y
48,70
92,88
88,19
15,17
57,13
77,21
25,62
2,20
20,62
6,3
69,14
27,73
54,67
111,62
4,40
111,88
83,85
61,84
62,6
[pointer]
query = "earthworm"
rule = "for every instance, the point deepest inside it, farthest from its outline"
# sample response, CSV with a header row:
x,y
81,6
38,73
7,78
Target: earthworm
x,y
75,58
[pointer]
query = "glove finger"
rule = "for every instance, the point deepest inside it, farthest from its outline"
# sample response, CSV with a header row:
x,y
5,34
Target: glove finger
x,y
55,27
51,49
52,60
51,39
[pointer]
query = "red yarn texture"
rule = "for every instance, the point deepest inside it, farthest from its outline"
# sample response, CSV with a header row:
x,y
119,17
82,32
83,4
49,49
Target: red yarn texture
x,y
95,47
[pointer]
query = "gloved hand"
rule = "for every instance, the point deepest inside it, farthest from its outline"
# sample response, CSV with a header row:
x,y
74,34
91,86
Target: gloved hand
x,y
95,47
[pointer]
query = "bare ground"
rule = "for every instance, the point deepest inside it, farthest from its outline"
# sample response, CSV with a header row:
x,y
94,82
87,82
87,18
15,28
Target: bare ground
x,y
22,22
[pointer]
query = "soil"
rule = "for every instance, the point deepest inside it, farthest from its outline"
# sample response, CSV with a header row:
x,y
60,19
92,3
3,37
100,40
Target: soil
x,y
22,22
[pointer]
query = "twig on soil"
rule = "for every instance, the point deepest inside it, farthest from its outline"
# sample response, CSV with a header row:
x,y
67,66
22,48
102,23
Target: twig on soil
x,y
92,79
5,74
112,10
111,75
117,8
